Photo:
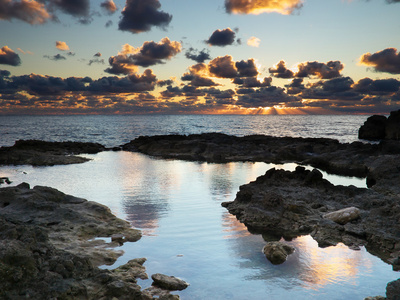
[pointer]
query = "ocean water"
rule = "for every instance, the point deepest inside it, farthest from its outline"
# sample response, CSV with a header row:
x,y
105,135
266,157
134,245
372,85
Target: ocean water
x,y
116,130
177,205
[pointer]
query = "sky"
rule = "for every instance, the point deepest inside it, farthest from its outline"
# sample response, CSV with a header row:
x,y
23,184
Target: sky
x,y
199,57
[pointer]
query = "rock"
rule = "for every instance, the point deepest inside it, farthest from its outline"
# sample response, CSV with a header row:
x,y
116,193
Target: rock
x,y
392,131
277,252
375,298
393,290
42,153
343,216
373,129
48,250
170,283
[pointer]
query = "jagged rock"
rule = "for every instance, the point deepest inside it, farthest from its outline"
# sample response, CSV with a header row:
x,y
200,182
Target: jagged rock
x,y
170,283
343,216
277,252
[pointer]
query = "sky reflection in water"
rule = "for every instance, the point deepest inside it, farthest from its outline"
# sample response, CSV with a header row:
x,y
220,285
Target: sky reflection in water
x,y
188,234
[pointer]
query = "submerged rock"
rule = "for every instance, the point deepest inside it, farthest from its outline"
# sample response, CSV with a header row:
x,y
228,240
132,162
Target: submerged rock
x,y
277,252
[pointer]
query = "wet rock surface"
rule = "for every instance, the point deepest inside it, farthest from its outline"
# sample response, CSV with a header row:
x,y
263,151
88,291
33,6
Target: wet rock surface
x,y
277,252
42,153
50,248
326,154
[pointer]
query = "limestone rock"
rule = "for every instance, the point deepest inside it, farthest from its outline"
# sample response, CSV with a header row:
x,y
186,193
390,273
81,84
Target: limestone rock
x,y
277,252
343,216
170,283
373,128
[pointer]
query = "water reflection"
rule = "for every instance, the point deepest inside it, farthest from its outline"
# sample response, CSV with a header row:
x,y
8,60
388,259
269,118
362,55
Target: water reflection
x,y
188,234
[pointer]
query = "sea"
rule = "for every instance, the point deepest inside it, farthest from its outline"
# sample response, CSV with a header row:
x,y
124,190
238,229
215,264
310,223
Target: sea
x,y
177,205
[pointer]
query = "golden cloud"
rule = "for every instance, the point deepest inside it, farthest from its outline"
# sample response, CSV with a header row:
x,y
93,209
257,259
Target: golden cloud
x,y
285,7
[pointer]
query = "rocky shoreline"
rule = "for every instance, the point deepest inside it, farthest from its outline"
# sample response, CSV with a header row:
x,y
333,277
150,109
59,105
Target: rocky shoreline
x,y
51,245
279,204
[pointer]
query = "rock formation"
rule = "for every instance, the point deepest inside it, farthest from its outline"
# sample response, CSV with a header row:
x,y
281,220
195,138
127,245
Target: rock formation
x,y
50,248
379,127
41,153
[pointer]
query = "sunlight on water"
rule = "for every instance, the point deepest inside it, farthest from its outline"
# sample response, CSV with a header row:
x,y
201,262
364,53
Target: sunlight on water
x,y
186,232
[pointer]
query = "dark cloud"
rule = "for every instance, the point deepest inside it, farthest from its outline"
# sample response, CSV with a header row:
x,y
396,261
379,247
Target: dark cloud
x,y
246,68
96,61
377,87
140,15
152,53
165,82
329,70
266,97
9,57
108,24
197,56
295,87
56,57
149,54
262,6
222,38
98,54
252,82
387,60
40,85
5,73
109,6
32,12
76,8
223,67
280,70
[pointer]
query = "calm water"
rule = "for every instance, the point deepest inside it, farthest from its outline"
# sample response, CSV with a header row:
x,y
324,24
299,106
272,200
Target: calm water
x,y
188,234
116,130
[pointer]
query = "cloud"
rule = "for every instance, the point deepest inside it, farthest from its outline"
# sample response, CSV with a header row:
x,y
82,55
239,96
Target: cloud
x,y
246,68
96,61
377,87
252,82
76,8
222,37
223,67
280,70
197,76
108,23
24,52
9,57
197,56
256,7
140,15
109,6
387,60
254,42
327,70
151,53
62,46
30,11
266,97
56,57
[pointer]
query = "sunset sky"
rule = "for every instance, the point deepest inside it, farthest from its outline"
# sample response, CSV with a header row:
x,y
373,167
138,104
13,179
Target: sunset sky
x,y
209,56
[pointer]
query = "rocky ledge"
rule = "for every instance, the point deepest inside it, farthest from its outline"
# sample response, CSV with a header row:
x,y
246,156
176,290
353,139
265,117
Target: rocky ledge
x,y
42,153
51,245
